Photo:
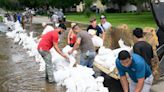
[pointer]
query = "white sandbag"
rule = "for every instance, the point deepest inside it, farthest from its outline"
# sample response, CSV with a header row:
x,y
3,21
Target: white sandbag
x,y
92,32
97,41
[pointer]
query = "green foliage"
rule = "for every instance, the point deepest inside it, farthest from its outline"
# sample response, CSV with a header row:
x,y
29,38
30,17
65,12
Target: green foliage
x,y
88,12
1,18
9,4
88,3
138,3
14,4
32,3
120,3
63,3
135,2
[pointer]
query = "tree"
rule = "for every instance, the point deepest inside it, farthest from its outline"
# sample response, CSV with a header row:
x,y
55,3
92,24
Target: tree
x,y
105,2
63,3
9,4
88,4
32,3
139,4
120,3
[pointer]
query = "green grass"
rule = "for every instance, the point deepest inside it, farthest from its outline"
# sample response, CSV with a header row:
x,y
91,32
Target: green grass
x,y
1,18
131,19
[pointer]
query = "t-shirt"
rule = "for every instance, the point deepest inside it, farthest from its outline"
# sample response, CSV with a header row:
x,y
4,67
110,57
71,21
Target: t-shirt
x,y
47,29
138,69
145,50
106,26
54,18
97,29
72,38
47,41
86,42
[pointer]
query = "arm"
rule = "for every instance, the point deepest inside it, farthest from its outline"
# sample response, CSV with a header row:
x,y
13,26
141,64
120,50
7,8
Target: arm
x,y
124,83
78,41
139,85
103,35
140,74
69,34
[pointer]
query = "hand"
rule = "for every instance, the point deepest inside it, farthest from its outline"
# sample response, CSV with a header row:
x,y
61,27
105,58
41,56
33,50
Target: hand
x,y
70,52
65,56
75,64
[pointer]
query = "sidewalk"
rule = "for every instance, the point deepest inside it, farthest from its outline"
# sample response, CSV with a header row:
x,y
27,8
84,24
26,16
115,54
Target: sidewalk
x,y
41,19
158,87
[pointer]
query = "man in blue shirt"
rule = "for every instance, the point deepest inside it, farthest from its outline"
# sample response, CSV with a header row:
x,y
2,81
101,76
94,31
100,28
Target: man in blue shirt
x,y
138,71
95,27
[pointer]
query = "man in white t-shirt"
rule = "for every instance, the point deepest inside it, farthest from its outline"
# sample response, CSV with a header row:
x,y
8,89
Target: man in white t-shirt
x,y
54,19
104,25
47,28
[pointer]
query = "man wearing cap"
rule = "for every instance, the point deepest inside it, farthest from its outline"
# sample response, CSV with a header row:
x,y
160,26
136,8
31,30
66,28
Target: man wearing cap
x,y
47,28
140,74
49,40
95,27
71,36
54,19
104,25
84,41
142,47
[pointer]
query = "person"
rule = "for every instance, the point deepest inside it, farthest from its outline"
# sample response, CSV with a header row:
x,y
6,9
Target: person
x,y
54,19
86,47
61,23
142,47
71,36
47,28
19,17
140,74
95,27
49,40
104,25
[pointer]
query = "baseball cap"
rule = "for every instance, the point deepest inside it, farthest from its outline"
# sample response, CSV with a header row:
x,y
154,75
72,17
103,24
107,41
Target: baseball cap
x,y
102,17
92,19
62,26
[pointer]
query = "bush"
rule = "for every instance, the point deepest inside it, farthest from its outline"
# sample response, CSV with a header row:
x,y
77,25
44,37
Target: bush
x,y
1,19
88,12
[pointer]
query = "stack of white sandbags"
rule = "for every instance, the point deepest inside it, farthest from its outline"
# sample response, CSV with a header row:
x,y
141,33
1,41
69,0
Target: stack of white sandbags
x,y
106,57
20,36
76,79
80,79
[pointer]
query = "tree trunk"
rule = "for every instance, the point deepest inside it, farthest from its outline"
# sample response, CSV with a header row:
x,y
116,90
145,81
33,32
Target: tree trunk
x,y
139,8
120,8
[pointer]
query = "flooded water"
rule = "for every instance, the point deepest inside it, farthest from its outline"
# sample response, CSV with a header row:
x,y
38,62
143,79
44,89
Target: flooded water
x,y
18,71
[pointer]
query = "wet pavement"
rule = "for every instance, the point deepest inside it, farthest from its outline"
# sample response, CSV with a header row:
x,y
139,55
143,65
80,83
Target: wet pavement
x,y
19,72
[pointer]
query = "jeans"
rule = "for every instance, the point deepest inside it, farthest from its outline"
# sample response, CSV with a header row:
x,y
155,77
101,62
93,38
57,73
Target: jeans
x,y
86,59
49,66
147,84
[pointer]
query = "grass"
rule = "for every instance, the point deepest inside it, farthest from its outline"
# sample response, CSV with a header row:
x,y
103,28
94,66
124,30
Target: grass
x,y
131,19
1,18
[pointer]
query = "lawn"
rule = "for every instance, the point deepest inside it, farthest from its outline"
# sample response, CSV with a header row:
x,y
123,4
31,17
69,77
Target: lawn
x,y
1,18
131,19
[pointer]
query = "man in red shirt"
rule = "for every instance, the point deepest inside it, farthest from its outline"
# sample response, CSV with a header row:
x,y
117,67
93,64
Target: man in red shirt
x,y
48,41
